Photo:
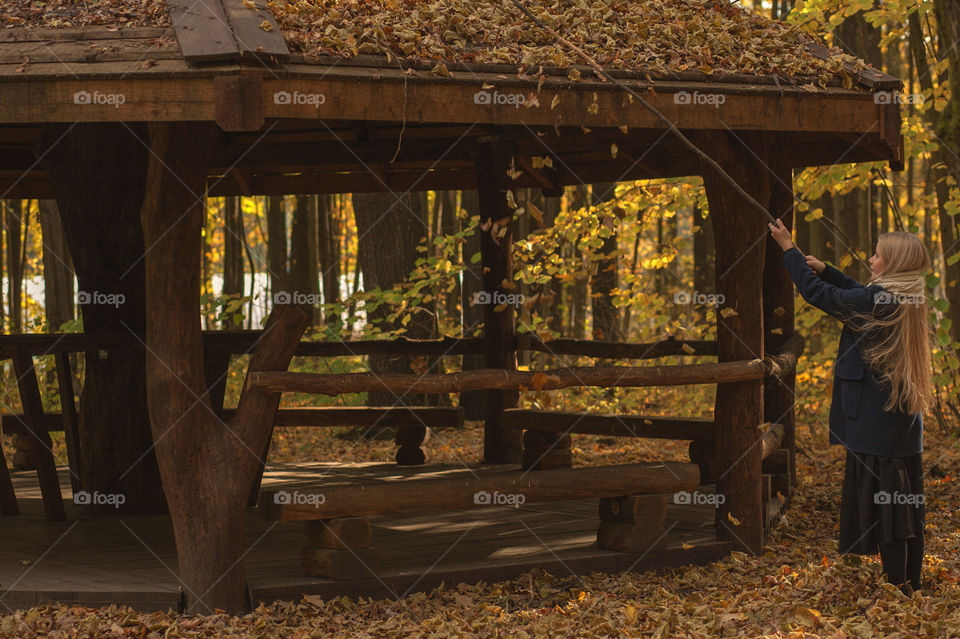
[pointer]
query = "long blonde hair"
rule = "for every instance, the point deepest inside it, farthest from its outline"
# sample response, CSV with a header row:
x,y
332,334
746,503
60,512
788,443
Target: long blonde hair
x,y
900,348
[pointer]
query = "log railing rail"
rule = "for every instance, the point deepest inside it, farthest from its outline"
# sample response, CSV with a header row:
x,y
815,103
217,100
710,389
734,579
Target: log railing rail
x,y
500,379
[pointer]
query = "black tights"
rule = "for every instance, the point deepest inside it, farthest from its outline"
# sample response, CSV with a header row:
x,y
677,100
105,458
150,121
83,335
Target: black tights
x,y
903,561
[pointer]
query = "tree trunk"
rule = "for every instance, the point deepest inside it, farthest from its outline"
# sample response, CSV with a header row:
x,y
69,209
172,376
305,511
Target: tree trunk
x,y
449,225
606,318
858,38
328,252
703,251
233,256
277,246
15,223
57,268
949,139
473,402
578,290
97,172
304,275
389,232
203,464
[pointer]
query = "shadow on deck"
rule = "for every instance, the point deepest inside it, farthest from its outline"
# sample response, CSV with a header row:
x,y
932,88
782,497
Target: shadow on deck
x,y
132,559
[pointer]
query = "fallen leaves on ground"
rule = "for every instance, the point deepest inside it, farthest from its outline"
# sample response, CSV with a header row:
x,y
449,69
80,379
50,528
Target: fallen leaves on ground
x,y
799,586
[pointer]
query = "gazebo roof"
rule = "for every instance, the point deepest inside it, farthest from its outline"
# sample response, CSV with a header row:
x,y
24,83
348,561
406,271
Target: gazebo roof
x,y
346,96
656,37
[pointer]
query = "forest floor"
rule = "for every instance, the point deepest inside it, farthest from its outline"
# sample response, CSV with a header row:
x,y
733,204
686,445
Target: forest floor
x,y
799,586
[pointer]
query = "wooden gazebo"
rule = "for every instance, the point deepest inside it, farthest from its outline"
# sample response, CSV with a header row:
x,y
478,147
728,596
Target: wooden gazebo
x,y
130,124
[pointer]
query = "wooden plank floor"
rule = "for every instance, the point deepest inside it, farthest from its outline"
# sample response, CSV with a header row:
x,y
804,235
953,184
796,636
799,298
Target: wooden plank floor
x,y
132,559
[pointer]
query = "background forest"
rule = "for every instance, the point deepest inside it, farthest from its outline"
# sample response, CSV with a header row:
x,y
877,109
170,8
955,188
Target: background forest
x,y
630,261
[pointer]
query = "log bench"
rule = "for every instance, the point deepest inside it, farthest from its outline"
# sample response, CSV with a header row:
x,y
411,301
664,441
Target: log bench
x,y
338,535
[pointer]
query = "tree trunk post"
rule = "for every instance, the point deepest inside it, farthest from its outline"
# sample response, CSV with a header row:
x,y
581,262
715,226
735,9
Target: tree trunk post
x,y
97,172
501,444
740,244
207,466
778,309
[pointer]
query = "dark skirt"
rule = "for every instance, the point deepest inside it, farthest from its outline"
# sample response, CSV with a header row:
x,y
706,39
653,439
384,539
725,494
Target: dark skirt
x,y
882,502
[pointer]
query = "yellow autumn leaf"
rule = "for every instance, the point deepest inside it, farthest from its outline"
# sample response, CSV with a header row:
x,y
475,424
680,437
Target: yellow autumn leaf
x,y
728,312
733,520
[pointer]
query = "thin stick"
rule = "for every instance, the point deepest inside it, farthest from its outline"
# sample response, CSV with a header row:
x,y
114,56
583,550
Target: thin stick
x,y
690,145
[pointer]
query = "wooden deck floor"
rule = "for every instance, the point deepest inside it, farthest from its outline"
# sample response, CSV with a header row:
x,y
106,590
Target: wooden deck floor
x,y
132,559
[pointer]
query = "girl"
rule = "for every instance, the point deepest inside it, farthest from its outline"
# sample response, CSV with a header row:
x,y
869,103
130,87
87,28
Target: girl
x,y
881,387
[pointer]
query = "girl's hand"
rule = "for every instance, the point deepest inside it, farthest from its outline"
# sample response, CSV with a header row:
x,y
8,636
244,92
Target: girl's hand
x,y
781,235
816,265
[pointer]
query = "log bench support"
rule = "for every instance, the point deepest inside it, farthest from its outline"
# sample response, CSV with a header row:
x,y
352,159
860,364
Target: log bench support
x,y
543,451
338,548
634,523
410,438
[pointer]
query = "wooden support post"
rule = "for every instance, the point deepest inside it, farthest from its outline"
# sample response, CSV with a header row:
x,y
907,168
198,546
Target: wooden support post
x,y
778,296
97,172
41,445
207,467
501,444
71,422
740,232
634,523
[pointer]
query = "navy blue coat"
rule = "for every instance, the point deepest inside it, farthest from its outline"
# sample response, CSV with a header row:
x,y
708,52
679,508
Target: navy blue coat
x,y
857,418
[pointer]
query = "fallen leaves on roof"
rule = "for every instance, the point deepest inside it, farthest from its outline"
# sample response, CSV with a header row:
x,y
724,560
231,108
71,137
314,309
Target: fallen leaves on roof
x,y
80,13
655,36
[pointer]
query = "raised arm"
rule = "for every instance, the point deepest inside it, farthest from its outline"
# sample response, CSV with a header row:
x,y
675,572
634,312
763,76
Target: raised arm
x,y
836,277
834,300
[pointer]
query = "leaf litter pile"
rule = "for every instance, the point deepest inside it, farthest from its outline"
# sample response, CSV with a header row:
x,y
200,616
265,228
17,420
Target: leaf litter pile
x,y
799,587
659,37
81,13
655,37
